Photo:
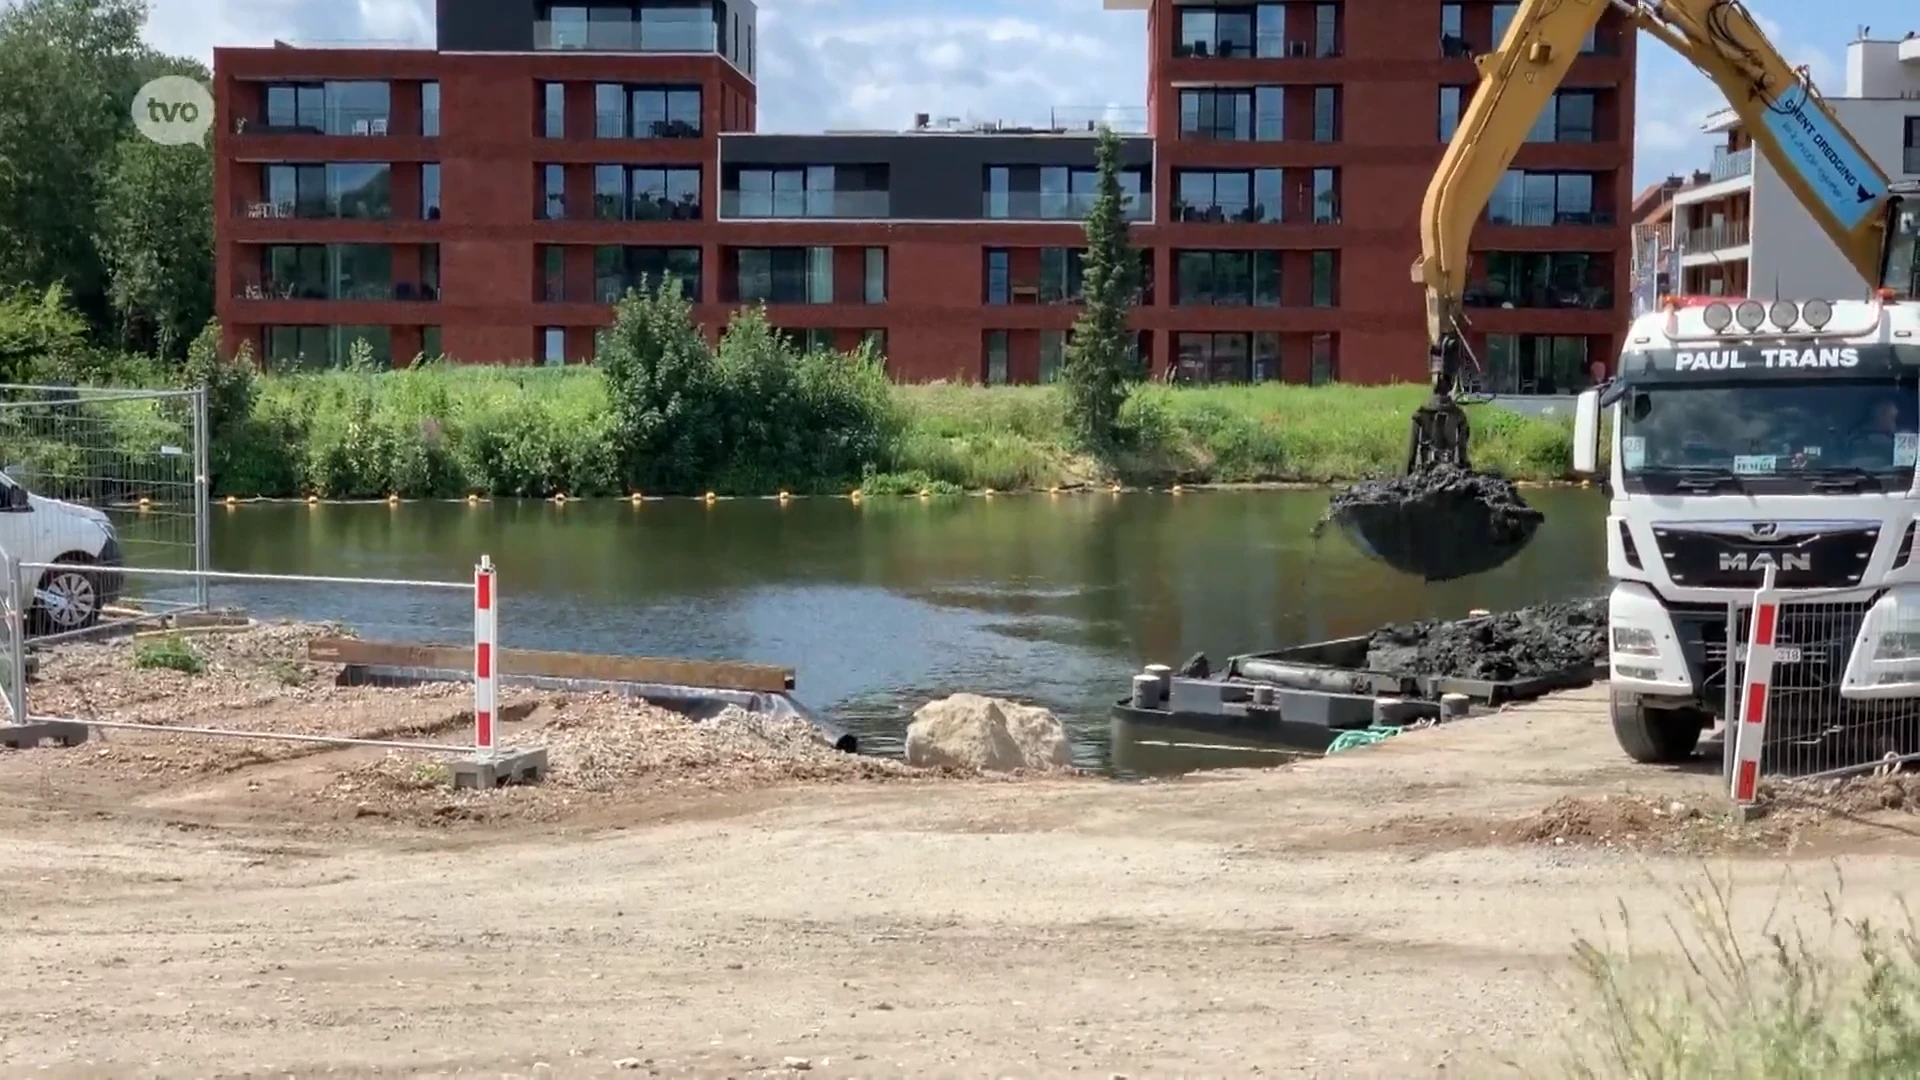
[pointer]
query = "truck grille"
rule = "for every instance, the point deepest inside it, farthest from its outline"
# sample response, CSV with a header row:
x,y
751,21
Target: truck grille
x,y
1700,559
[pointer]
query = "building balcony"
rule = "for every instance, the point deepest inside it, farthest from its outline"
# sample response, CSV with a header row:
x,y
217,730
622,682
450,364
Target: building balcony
x,y
401,291
1587,298
677,36
1543,212
804,205
1053,206
1715,238
1729,165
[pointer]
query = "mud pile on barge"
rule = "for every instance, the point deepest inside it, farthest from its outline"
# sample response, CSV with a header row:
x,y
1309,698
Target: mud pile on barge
x,y
1520,644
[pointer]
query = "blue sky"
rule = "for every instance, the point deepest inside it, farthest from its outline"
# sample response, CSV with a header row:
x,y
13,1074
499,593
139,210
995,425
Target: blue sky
x,y
874,63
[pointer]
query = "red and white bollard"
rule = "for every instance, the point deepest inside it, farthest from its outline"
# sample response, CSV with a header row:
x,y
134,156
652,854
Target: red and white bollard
x,y
486,649
1750,728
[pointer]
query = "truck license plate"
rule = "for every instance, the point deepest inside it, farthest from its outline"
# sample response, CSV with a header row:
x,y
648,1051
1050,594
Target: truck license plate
x,y
1782,654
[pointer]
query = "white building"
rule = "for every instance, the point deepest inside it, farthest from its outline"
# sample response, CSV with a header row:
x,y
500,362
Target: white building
x,y
1743,233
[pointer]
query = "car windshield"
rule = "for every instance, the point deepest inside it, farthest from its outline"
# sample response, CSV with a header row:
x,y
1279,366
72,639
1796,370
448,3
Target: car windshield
x,y
1773,431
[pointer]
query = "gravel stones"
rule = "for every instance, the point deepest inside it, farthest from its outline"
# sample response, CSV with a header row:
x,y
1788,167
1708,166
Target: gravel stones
x,y
1520,644
1440,524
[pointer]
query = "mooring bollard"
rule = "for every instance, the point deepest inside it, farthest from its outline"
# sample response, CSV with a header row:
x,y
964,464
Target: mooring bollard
x,y
1146,691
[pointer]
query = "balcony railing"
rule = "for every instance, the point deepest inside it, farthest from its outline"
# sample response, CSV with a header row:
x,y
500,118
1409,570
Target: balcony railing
x,y
1052,206
332,120
1301,211
267,289
690,36
1542,212
749,205
1731,234
1589,298
317,208
1726,165
644,208
616,126
1236,48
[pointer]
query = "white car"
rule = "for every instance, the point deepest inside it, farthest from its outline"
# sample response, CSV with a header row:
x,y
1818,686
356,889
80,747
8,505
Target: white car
x,y
41,530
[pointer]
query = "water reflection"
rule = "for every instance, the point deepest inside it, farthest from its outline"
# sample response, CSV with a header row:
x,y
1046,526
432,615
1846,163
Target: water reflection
x,y
886,603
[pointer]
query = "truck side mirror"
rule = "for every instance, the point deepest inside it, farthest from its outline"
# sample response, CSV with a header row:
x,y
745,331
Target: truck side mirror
x,y
1586,433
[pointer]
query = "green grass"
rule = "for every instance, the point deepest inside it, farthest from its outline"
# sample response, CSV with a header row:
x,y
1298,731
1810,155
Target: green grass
x,y
171,653
452,430
1014,437
1799,1006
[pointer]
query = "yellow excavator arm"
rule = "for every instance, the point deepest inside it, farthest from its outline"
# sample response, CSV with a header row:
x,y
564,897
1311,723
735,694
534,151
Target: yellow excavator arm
x,y
1819,160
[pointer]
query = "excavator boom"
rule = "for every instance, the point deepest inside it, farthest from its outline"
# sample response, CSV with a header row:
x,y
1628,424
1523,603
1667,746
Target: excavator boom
x,y
1818,159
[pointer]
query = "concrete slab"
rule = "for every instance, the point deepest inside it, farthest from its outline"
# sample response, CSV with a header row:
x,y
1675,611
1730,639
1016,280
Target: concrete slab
x,y
521,765
38,733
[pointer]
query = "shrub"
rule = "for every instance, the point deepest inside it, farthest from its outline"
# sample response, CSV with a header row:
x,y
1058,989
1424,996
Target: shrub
x,y
171,653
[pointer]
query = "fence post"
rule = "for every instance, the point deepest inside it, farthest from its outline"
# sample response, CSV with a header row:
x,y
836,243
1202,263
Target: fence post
x,y
1752,730
16,621
486,627
202,502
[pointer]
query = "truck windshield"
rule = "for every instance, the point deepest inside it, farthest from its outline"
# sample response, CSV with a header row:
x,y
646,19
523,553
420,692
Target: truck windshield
x,y
1772,436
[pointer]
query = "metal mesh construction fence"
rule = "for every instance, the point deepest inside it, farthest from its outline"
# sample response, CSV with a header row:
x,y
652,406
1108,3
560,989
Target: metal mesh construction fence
x,y
133,460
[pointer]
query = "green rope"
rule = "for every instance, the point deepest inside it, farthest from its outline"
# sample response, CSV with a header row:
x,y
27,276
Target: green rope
x,y
1368,736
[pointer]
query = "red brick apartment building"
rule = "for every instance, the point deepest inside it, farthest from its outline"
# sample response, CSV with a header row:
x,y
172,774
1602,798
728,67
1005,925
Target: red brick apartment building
x,y
485,199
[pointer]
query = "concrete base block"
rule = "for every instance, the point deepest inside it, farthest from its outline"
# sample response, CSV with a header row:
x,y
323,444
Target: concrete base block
x,y
31,735
525,765
1454,705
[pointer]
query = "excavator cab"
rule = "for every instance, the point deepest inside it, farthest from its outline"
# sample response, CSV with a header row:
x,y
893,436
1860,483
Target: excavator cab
x,y
1900,259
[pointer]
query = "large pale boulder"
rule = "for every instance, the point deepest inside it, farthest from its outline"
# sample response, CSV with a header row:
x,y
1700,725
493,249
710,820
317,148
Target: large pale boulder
x,y
970,731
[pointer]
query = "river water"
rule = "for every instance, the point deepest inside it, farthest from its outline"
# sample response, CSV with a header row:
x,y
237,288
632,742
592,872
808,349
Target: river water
x,y
882,605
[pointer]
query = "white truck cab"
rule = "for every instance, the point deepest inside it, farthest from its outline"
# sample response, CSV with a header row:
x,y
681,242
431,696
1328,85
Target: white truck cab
x,y
37,529
1749,434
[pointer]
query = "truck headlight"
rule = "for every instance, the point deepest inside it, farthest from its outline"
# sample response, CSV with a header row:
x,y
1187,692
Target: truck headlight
x,y
1898,645
1635,641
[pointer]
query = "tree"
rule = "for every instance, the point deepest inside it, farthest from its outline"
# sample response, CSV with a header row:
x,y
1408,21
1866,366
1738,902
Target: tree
x,y
156,240
68,72
1099,361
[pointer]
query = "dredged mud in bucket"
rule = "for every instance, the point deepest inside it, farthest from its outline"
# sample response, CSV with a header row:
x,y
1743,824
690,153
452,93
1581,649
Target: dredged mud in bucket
x,y
1441,524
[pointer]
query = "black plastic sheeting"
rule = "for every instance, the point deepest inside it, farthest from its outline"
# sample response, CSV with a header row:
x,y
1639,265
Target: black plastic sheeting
x,y
1440,524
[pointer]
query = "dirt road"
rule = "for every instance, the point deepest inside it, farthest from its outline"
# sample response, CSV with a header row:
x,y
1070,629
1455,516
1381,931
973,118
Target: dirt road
x,y
1399,911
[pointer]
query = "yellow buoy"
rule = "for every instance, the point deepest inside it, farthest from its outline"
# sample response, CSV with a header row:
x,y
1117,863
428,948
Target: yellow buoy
x,y
854,495
231,501
1053,490
473,500
312,499
785,495
1177,489
1116,489
926,493
393,500
988,493
638,498
559,497
711,497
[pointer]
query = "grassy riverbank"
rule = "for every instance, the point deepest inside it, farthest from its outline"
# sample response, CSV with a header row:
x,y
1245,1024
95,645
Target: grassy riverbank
x,y
506,431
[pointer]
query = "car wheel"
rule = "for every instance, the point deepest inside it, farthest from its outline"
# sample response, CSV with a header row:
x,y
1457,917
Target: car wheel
x,y
67,599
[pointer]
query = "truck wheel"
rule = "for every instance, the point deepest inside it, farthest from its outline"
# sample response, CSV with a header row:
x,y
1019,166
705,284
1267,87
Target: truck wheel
x,y
1654,736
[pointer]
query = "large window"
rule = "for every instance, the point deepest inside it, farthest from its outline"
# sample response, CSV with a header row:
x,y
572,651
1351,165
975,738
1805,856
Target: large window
x,y
1058,193
1453,31
1053,354
1227,278
1452,100
329,108
1326,114
1228,357
679,28
1568,118
806,191
999,276
316,348
1235,114
784,275
1326,279
646,112
430,109
1536,364
553,346
329,272
359,189
430,191
646,193
1326,196
1911,146
994,362
1224,195
874,280
1545,198
1542,279
553,110
618,269
553,189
